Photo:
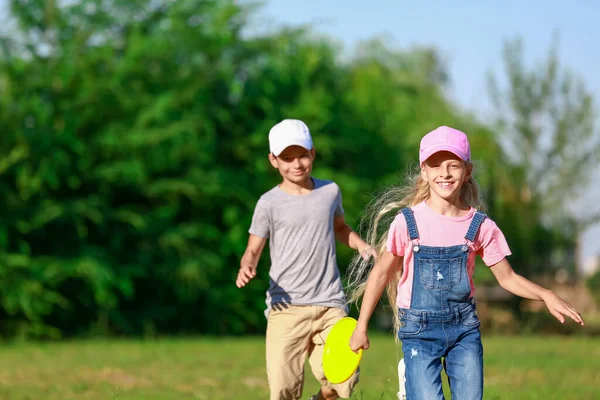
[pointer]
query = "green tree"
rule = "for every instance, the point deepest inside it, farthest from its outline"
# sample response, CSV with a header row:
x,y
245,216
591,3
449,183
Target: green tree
x,y
110,113
547,124
134,148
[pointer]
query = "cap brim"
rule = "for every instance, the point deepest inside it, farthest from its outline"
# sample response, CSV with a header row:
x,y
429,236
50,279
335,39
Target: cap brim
x,y
277,150
436,149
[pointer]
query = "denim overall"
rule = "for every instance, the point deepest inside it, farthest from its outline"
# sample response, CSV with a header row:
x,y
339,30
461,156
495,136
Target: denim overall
x,y
441,321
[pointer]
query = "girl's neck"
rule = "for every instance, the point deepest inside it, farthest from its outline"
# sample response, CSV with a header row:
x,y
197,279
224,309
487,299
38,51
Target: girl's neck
x,y
297,189
447,208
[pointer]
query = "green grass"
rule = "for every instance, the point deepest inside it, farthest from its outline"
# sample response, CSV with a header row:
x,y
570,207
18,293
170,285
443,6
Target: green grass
x,y
211,368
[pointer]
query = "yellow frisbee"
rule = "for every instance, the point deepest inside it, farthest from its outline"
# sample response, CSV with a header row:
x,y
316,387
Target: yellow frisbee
x,y
339,361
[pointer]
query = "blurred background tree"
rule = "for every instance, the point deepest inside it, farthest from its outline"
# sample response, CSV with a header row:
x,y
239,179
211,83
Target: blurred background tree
x,y
134,148
548,119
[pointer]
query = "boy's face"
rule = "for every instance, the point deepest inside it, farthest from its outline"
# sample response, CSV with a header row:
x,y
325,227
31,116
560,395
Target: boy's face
x,y
294,163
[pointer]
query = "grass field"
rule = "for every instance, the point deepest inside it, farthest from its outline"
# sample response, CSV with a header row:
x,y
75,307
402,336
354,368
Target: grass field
x,y
212,368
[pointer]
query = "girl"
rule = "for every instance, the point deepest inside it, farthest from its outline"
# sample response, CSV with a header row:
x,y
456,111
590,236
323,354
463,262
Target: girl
x,y
426,260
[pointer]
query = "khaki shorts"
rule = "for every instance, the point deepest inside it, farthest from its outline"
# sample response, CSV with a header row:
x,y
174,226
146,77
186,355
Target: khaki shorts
x,y
293,333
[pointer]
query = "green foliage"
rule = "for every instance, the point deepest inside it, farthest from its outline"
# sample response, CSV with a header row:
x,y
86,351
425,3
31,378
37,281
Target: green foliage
x,y
593,283
113,192
548,121
133,150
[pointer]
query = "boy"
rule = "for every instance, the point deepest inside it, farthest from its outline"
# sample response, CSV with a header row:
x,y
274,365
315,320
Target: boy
x,y
302,217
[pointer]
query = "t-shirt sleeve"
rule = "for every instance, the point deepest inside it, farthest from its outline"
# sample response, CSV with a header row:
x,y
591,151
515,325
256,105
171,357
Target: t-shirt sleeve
x,y
397,237
260,225
493,246
339,209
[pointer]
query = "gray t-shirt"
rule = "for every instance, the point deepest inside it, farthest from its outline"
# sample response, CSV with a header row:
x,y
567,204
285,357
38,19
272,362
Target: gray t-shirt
x,y
301,237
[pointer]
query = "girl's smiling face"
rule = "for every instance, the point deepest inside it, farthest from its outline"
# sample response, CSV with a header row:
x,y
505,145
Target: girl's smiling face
x,y
445,173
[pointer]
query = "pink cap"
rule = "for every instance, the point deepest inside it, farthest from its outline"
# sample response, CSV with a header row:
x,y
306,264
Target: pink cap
x,y
444,138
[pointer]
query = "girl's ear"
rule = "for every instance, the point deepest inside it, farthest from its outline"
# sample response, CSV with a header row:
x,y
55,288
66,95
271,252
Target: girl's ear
x,y
423,173
469,174
273,160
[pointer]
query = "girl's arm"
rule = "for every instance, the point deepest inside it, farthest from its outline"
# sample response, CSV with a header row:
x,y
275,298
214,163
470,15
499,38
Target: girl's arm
x,y
376,283
520,286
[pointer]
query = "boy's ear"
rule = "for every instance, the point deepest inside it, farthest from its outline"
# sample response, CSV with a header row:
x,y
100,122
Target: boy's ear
x,y
313,152
273,160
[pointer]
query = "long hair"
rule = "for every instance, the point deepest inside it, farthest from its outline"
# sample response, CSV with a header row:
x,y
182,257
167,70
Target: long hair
x,y
377,218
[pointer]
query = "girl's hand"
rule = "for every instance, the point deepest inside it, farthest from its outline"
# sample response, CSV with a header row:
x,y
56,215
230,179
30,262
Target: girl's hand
x,y
560,308
359,340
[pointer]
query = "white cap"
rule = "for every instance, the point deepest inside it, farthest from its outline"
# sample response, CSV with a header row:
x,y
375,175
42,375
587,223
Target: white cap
x,y
289,132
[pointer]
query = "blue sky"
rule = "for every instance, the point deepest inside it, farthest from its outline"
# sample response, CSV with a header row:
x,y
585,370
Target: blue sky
x,y
469,35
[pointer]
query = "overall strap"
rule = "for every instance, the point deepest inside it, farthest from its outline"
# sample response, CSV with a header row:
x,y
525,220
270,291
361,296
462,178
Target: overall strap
x,y
476,222
410,223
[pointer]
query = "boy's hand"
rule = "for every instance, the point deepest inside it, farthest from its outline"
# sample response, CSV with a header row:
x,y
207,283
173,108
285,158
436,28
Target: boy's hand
x,y
359,340
368,252
560,308
250,259
246,273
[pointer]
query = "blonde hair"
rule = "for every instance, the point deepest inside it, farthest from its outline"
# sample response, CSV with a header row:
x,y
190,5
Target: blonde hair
x,y
377,218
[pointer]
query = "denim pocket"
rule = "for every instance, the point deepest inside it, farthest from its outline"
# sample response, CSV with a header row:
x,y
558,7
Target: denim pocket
x,y
440,274
470,319
409,327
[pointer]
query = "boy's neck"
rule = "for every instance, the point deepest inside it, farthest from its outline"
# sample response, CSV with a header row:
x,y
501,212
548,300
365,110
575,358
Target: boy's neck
x,y
298,189
447,208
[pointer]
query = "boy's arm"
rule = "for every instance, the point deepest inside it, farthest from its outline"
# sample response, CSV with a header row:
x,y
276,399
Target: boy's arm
x,y
520,286
250,259
347,236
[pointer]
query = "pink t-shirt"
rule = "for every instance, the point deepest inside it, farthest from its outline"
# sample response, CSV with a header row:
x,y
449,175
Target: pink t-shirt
x,y
441,231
